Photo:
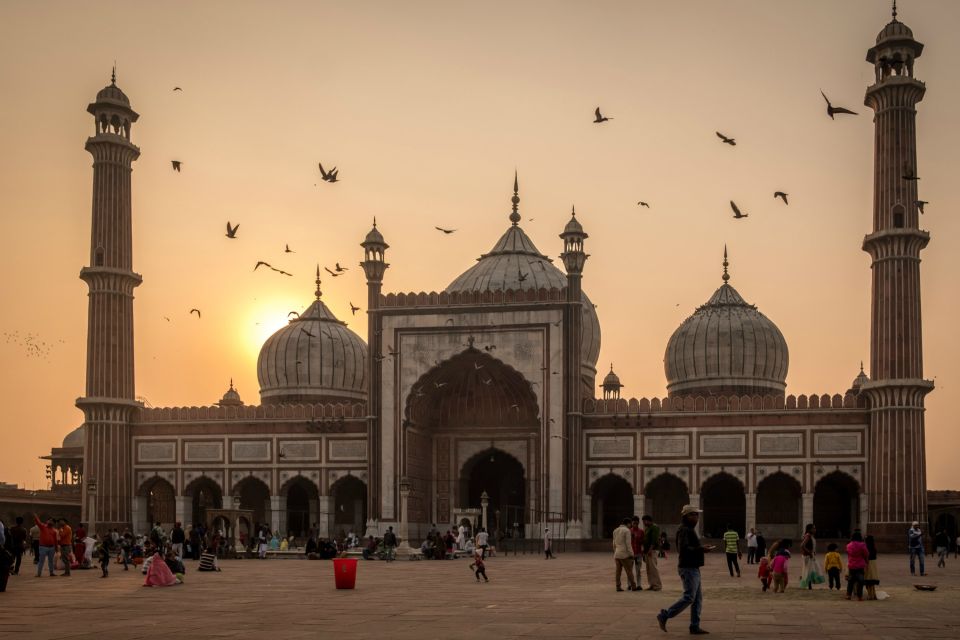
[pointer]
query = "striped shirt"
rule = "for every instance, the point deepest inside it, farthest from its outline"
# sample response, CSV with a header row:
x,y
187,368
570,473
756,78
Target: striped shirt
x,y
730,539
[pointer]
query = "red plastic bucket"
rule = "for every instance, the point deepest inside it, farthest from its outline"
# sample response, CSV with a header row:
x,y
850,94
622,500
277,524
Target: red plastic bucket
x,y
345,572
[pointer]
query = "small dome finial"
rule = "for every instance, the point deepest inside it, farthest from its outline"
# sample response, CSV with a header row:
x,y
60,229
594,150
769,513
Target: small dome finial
x,y
611,367
231,384
318,293
374,222
515,214
726,276
113,75
894,10
861,362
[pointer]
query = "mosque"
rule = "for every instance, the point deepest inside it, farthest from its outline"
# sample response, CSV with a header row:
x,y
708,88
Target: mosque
x,y
482,401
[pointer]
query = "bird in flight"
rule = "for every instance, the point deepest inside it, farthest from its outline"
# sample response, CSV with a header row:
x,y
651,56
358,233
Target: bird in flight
x,y
232,231
287,249
477,367
908,174
726,140
489,347
176,165
736,211
600,117
439,384
487,381
831,110
196,311
354,309
333,274
446,231
521,276
261,263
643,204
920,204
312,335
339,268
177,89
328,176
781,195
166,318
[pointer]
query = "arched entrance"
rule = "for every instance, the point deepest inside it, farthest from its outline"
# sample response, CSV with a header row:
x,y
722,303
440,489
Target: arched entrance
x,y
501,476
161,502
836,505
349,506
664,498
724,502
611,502
470,396
301,497
779,507
204,494
255,495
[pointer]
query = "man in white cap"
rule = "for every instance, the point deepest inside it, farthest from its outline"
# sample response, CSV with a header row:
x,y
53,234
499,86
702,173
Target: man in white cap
x,y
915,547
689,560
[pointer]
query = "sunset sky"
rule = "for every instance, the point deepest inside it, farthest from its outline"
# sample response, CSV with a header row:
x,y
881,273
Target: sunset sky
x,y
427,108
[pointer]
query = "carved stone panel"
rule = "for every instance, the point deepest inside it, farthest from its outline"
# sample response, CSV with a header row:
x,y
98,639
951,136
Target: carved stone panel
x,y
203,451
340,449
788,444
667,446
296,450
611,447
837,443
733,445
157,451
250,450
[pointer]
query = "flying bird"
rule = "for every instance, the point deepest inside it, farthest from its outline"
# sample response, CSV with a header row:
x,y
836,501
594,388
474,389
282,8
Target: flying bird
x,y
446,231
176,165
908,174
339,268
521,276
781,195
643,204
489,347
177,89
328,176
333,274
353,309
232,231
831,110
920,204
736,211
477,367
439,384
312,335
730,141
196,311
600,117
261,263
487,381
287,249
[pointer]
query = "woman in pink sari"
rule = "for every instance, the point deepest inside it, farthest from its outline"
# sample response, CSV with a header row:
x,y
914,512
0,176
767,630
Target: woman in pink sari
x,y
159,574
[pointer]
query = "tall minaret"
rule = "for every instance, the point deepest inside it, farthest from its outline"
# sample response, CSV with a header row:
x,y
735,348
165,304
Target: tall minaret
x,y
896,476
109,403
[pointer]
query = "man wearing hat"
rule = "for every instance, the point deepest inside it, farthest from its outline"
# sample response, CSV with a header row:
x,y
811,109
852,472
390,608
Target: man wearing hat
x,y
689,560
915,547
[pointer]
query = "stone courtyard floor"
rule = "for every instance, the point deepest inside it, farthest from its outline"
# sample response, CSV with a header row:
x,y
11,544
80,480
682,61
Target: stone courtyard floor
x,y
527,597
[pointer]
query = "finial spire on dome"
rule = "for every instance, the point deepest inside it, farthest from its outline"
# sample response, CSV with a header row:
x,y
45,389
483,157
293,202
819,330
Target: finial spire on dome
x,y
894,10
231,384
726,276
515,214
861,362
318,293
374,223
113,75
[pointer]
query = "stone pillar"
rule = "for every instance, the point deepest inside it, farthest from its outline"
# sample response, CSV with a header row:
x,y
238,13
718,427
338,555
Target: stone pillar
x,y
183,507
806,516
638,504
587,504
864,513
139,516
751,511
278,510
325,508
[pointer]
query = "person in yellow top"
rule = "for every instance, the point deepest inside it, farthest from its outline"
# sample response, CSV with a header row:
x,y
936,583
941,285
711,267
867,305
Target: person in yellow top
x,y
833,565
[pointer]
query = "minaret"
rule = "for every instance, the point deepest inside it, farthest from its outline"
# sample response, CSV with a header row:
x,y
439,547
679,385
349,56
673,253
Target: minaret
x,y
573,258
896,476
109,403
374,266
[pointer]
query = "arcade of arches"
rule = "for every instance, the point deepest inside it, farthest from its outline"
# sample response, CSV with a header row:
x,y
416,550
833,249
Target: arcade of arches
x,y
469,398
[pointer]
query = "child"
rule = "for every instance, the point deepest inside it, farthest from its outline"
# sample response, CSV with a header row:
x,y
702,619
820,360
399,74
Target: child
x,y
780,563
764,572
833,566
104,550
481,568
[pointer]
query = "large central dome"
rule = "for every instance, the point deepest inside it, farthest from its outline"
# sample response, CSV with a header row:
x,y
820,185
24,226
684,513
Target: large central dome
x,y
726,347
515,263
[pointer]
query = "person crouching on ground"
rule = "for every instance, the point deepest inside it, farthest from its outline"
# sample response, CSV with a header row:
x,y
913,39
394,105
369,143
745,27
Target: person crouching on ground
x,y
780,567
833,565
623,554
690,554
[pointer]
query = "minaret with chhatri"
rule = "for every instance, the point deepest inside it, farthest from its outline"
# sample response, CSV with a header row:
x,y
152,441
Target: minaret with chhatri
x,y
896,475
109,403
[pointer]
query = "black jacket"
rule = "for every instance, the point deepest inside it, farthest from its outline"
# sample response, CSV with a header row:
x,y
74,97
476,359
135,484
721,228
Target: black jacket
x,y
689,549
177,536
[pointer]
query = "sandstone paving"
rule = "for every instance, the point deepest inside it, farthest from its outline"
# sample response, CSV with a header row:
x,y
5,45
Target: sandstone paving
x,y
572,597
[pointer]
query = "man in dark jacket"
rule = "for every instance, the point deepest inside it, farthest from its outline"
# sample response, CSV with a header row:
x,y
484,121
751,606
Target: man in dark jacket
x,y
689,560
18,543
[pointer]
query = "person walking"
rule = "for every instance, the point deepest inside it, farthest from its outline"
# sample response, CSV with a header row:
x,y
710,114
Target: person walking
x,y
780,566
35,543
66,545
833,566
858,556
690,554
18,543
940,541
731,546
751,546
871,577
479,567
390,544
482,542
636,545
651,550
547,545
915,547
177,537
623,554
47,539
105,549
808,549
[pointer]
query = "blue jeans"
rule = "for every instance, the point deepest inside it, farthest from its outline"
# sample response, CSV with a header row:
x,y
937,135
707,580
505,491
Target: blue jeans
x,y
46,552
692,595
916,551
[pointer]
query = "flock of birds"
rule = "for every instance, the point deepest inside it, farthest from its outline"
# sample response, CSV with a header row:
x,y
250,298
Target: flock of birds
x,y
32,344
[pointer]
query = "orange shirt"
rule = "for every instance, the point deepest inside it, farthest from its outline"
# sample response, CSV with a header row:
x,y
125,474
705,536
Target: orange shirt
x,y
66,535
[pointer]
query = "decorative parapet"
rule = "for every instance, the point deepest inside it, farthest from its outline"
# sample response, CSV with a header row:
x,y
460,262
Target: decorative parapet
x,y
468,298
700,404
254,412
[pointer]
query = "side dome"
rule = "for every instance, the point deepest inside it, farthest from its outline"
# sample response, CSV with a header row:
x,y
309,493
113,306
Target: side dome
x,y
75,439
895,30
726,347
315,358
515,263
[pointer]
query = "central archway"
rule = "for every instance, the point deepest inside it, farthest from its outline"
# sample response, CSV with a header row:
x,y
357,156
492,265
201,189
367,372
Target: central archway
x,y
204,494
255,495
502,477
724,502
160,502
779,506
836,505
665,497
611,502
